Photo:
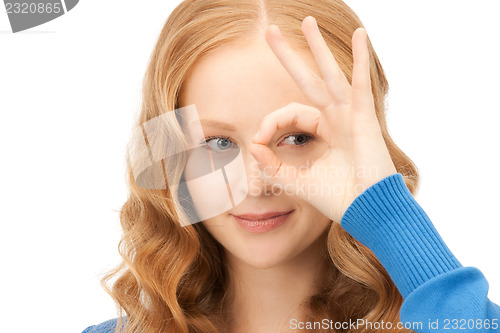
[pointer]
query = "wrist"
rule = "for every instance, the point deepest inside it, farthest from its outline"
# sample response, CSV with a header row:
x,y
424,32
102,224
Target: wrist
x,y
388,220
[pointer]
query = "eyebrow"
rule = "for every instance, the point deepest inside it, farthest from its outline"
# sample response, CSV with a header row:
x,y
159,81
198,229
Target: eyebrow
x,y
215,123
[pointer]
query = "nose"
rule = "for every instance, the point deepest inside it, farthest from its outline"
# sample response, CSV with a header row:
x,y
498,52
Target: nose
x,y
257,186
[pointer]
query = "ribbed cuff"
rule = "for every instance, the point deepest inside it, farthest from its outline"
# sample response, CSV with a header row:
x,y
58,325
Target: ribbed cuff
x,y
389,221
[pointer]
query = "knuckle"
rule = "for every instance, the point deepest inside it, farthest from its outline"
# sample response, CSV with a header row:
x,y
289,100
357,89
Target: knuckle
x,y
302,81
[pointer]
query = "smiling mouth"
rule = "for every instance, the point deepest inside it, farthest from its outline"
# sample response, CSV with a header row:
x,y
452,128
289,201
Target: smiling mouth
x,y
262,222
262,217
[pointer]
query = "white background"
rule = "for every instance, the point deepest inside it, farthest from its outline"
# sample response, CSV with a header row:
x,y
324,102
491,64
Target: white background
x,y
69,90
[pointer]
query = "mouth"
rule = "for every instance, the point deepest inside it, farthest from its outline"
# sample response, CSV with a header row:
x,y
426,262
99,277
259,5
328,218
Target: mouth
x,y
262,222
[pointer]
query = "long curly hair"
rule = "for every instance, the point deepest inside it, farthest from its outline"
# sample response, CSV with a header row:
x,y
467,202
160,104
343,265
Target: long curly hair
x,y
174,278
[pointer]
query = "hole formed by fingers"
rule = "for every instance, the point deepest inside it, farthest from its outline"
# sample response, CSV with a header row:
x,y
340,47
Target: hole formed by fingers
x,y
301,116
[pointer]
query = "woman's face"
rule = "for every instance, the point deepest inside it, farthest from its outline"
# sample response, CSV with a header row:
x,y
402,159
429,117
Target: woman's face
x,y
233,88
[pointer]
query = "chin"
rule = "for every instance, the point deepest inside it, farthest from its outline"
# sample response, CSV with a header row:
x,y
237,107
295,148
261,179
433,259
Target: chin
x,y
263,249
266,258
259,253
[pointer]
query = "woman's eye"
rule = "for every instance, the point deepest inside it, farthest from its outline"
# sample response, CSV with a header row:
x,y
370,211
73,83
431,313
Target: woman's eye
x,y
296,139
219,143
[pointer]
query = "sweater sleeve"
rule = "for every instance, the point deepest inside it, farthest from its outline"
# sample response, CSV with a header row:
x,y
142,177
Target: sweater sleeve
x,y
108,326
440,295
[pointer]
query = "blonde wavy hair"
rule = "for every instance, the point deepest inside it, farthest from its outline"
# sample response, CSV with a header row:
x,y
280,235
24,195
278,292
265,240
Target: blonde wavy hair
x,y
174,279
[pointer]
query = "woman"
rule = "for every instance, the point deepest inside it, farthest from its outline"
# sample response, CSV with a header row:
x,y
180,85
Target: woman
x,y
311,224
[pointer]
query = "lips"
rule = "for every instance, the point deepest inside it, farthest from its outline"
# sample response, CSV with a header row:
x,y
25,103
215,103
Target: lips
x,y
258,223
265,216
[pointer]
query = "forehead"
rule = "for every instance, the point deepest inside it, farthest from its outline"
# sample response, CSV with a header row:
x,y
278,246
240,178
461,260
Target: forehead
x,y
242,81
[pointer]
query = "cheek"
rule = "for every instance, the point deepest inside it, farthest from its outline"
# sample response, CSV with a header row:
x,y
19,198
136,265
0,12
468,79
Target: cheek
x,y
314,222
218,228
209,203
216,182
207,187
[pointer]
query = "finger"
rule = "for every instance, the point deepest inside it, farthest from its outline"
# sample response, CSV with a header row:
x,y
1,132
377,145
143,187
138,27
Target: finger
x,y
269,163
362,98
306,79
334,78
301,116
273,169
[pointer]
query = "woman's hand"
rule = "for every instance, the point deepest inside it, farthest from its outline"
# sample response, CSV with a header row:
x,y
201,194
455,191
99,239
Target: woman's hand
x,y
342,115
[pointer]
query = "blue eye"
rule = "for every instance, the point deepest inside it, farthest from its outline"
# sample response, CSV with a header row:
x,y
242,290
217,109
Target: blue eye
x,y
219,144
297,139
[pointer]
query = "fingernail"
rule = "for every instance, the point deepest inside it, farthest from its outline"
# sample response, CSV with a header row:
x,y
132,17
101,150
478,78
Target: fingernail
x,y
314,21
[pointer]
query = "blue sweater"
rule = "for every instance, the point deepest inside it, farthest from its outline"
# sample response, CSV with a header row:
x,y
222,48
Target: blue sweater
x,y
440,295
